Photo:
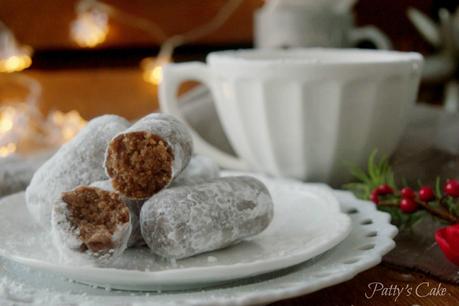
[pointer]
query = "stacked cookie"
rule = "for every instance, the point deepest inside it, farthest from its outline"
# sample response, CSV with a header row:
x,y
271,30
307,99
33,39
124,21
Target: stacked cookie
x,y
116,186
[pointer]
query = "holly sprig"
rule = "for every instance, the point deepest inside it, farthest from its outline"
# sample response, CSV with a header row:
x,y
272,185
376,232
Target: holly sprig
x,y
405,205
378,172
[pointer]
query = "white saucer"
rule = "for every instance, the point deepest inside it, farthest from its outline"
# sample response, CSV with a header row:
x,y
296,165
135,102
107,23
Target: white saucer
x,y
370,238
307,222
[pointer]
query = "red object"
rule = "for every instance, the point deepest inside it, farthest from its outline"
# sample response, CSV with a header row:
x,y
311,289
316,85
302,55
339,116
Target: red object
x,y
384,189
452,188
448,240
426,194
374,196
408,205
408,193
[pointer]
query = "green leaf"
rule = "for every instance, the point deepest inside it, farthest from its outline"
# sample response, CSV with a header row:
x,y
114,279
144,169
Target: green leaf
x,y
453,205
361,191
359,174
371,165
380,172
438,192
391,180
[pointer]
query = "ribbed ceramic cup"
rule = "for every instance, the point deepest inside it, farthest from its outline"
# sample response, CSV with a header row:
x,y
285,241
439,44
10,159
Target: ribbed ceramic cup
x,y
302,113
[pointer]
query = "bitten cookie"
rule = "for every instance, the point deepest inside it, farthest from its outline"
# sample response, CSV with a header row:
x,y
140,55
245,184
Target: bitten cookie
x,y
78,162
90,224
200,169
146,157
136,239
184,221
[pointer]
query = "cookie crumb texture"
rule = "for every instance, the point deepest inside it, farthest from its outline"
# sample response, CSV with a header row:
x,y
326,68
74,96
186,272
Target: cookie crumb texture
x,y
96,214
139,163
134,206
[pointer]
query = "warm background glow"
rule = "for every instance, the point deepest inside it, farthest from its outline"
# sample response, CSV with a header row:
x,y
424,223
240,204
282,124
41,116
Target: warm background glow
x,y
69,124
23,129
15,63
90,28
153,69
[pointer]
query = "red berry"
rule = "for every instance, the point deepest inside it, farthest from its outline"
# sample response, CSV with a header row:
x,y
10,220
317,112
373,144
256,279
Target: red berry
x,y
384,189
426,194
452,188
374,196
407,192
408,205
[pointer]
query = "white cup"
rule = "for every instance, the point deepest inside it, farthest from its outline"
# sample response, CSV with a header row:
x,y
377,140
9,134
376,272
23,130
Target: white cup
x,y
286,27
302,113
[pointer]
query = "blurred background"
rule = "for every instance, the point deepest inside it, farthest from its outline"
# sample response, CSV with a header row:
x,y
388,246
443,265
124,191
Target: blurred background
x,y
63,62
73,60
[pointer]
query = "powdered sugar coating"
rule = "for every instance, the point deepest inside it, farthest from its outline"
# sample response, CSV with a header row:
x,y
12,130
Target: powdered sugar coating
x,y
78,162
66,239
135,239
172,131
184,221
200,169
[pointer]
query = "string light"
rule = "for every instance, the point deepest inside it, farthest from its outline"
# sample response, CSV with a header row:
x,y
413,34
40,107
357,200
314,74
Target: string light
x,y
153,72
7,149
69,124
11,117
90,28
24,129
152,67
13,57
7,115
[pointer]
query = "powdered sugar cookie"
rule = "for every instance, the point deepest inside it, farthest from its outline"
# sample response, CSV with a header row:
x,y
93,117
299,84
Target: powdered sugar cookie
x,y
184,221
200,169
90,224
147,157
78,162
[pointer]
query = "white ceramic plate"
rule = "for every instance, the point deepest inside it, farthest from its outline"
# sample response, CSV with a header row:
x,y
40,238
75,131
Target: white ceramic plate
x,y
307,222
370,238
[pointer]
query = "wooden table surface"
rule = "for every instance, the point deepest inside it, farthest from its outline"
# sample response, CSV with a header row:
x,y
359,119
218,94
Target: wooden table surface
x,y
123,92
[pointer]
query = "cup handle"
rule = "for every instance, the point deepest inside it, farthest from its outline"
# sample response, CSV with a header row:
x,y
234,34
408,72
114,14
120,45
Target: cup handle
x,y
373,34
173,76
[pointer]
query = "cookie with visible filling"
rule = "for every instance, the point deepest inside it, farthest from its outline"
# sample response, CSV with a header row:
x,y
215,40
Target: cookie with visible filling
x,y
135,239
148,156
200,169
91,224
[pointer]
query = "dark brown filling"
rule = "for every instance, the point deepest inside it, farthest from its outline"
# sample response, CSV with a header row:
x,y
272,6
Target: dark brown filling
x,y
139,163
96,213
